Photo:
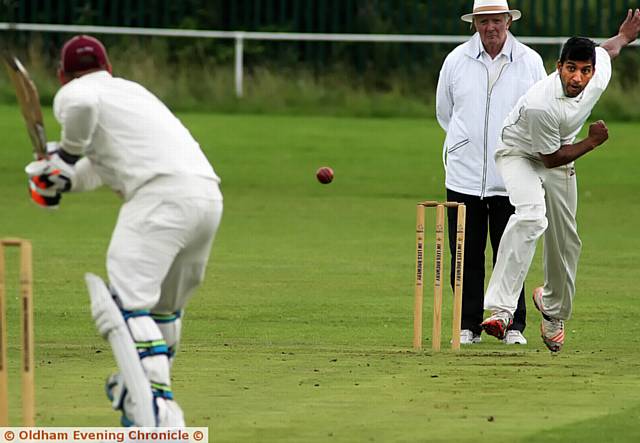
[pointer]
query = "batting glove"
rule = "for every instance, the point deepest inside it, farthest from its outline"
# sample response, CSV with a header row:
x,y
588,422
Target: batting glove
x,y
48,179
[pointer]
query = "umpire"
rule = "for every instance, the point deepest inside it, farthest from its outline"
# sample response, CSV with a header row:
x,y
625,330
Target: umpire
x,y
480,81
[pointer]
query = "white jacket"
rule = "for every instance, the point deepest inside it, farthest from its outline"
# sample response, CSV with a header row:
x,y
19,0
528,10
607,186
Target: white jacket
x,y
473,116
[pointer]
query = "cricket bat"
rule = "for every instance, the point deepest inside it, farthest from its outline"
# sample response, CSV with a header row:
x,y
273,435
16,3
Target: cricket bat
x,y
29,101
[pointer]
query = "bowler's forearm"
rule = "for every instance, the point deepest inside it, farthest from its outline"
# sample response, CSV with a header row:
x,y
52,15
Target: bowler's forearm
x,y
568,153
614,45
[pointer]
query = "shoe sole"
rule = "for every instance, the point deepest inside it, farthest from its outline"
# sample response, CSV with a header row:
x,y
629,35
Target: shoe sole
x,y
552,346
550,343
514,342
496,328
472,342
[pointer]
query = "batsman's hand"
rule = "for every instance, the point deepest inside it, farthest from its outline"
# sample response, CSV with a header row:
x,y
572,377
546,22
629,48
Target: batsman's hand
x,y
598,132
48,179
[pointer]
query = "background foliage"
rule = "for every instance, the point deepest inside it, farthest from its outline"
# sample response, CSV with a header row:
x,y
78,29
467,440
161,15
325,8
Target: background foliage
x,y
311,77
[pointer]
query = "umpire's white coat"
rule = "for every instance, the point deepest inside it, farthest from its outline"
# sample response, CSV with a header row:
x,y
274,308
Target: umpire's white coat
x,y
464,90
173,205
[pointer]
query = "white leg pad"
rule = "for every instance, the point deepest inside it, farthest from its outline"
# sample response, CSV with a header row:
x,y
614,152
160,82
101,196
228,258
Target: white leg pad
x,y
171,327
111,325
152,350
169,413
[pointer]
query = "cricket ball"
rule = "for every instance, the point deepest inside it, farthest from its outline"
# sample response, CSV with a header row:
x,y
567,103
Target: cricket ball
x,y
324,175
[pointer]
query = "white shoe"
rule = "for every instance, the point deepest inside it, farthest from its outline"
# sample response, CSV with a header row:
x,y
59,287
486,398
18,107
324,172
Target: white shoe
x,y
551,329
497,324
514,337
467,337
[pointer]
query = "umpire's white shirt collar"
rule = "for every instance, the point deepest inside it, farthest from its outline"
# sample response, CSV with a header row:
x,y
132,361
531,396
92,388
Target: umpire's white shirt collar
x,y
477,48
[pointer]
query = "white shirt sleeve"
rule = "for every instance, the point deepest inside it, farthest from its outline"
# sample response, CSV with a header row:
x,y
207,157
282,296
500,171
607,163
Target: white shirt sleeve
x,y
76,109
602,75
86,178
444,98
545,131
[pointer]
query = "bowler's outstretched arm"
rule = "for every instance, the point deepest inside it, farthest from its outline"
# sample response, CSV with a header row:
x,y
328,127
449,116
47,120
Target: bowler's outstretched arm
x,y
627,33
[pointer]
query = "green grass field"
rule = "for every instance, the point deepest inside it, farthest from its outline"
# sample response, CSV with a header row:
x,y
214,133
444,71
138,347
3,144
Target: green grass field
x,y
302,330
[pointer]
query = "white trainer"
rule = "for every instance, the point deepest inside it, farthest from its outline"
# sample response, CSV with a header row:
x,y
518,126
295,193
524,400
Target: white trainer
x,y
497,324
467,337
551,329
514,337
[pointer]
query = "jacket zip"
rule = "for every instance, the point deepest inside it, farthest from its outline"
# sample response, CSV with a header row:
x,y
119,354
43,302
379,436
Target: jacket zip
x,y
486,126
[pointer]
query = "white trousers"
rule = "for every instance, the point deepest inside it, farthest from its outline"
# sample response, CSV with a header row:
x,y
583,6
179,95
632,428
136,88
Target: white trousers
x,y
161,243
545,202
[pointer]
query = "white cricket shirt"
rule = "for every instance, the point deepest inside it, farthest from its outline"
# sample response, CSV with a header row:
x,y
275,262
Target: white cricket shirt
x,y
544,119
128,135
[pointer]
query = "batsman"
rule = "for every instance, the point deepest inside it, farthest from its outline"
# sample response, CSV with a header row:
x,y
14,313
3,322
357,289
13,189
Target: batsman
x,y
116,133
535,156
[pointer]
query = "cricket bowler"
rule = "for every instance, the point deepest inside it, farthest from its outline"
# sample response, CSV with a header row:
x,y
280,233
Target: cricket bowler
x,y
535,156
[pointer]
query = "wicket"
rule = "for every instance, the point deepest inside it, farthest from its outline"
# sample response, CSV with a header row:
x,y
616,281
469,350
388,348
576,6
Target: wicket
x,y
438,268
26,296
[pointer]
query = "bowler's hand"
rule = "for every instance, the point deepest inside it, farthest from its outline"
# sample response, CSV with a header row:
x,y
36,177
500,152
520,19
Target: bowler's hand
x,y
631,25
598,132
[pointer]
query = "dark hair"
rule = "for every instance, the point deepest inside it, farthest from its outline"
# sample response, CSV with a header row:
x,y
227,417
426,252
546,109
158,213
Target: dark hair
x,y
579,49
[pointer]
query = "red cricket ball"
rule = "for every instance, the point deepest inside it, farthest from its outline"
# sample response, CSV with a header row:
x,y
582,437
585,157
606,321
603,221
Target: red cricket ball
x,y
324,175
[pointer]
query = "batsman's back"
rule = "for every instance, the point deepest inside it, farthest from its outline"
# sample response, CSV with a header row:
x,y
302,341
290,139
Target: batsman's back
x,y
129,135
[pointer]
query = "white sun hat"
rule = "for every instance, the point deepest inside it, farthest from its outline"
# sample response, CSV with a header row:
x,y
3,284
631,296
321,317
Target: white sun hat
x,y
483,7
